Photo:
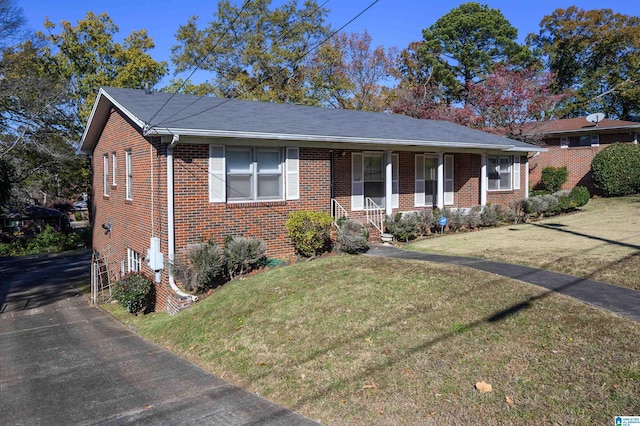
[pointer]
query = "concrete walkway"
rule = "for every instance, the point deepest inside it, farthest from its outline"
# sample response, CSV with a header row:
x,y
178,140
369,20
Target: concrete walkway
x,y
621,300
63,361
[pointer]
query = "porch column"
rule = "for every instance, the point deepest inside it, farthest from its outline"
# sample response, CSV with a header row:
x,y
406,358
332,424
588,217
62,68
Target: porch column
x,y
388,184
526,178
441,181
483,180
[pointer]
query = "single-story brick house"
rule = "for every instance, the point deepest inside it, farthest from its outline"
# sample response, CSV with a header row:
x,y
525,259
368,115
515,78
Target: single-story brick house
x,y
573,142
171,170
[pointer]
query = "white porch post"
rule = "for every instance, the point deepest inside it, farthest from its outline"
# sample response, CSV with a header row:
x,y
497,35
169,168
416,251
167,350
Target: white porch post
x,y
526,178
388,184
483,180
441,181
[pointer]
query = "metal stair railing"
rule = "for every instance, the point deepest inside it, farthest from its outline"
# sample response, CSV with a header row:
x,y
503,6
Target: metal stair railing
x,y
337,212
375,214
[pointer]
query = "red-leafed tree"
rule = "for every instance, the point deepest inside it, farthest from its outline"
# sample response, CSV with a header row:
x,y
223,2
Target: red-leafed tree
x,y
510,97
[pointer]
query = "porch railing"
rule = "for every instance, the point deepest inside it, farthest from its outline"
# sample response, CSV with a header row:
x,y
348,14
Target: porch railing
x,y
375,214
337,212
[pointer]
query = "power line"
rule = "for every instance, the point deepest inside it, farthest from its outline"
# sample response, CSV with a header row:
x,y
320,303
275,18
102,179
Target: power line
x,y
167,121
195,68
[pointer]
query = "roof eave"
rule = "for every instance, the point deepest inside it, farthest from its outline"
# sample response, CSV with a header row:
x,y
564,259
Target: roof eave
x,y
584,130
339,139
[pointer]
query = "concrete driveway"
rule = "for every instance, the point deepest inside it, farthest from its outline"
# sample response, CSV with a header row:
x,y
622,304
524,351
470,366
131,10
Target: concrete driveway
x,y
63,361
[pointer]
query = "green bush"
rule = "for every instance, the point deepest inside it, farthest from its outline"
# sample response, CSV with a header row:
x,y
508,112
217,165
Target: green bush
x,y
554,177
243,255
310,231
353,237
580,195
133,292
616,169
199,267
402,226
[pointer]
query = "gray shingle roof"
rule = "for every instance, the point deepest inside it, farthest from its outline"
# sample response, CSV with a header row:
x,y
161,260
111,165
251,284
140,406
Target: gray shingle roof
x,y
164,113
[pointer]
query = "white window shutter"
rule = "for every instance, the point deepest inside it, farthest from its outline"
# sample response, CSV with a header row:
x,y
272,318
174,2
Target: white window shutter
x,y
217,174
419,188
448,180
516,172
357,181
293,174
395,164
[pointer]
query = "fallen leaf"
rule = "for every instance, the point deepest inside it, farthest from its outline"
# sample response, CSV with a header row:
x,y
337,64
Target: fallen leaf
x,y
148,407
381,412
371,386
509,400
192,347
484,387
232,349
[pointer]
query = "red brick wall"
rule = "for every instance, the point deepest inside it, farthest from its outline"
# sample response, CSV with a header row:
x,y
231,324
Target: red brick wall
x,y
578,160
131,220
197,218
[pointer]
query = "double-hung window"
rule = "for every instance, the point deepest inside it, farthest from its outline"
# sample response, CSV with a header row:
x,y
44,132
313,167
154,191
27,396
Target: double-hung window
x,y
499,173
579,141
133,261
254,174
129,175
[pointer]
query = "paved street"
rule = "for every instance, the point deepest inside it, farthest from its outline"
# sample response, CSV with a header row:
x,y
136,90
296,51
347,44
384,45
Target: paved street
x,y
63,361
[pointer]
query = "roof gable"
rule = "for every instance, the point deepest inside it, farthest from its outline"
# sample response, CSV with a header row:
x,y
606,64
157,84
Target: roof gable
x,y
163,113
579,124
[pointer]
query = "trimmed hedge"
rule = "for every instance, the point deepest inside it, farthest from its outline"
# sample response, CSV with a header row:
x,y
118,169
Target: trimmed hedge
x,y
310,231
616,169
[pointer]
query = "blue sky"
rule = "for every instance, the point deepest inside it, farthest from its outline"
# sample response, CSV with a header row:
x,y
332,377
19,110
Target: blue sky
x,y
390,22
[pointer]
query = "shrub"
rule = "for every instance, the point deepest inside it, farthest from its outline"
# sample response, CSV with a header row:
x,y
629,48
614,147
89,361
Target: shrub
x,y
199,267
352,237
243,254
309,231
491,215
580,195
402,226
564,204
554,177
456,218
474,217
50,240
426,222
616,169
133,292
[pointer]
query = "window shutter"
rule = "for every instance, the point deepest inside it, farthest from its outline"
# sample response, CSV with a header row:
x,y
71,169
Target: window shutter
x,y
293,174
516,172
357,182
419,188
448,180
217,173
395,163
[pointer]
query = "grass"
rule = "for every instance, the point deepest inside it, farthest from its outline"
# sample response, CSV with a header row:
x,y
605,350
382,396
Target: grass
x,y
360,340
600,242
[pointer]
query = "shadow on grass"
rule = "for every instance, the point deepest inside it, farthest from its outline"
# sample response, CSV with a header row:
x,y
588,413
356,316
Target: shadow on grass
x,y
555,227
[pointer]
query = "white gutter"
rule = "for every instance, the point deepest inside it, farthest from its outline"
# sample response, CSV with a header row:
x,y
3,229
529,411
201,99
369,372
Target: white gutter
x,y
171,220
342,139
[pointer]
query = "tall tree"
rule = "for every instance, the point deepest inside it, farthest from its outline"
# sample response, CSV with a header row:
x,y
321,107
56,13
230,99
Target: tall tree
x,y
87,55
596,53
12,24
510,98
254,52
464,44
346,73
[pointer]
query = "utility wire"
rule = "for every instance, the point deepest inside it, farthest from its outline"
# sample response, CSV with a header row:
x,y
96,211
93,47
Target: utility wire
x,y
256,85
197,65
281,38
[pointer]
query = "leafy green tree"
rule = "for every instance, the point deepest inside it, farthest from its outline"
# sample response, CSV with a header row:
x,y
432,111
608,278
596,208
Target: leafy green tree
x,y
88,57
346,73
254,52
464,44
596,54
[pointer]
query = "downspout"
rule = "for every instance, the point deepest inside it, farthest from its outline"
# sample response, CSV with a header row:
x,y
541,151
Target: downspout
x,y
171,220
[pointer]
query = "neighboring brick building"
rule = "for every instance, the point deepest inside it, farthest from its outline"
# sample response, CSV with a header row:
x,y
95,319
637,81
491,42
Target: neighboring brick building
x,y
172,170
573,142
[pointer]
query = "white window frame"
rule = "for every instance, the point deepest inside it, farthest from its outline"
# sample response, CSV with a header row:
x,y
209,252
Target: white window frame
x,y
105,175
128,156
134,264
564,142
114,181
500,172
357,178
595,140
287,172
